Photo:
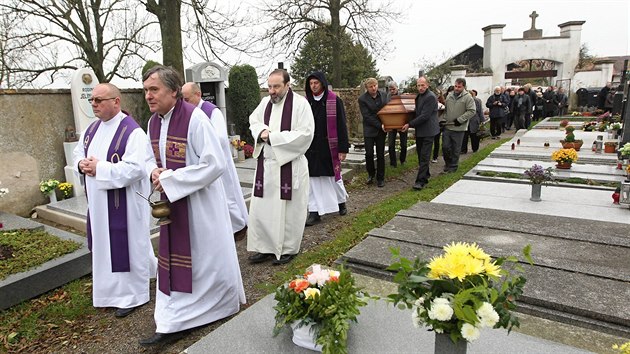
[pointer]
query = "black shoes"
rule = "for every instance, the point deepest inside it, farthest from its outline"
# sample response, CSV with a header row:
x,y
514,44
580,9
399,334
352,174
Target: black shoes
x,y
313,218
284,259
161,338
259,257
418,186
380,183
370,180
240,235
342,209
120,313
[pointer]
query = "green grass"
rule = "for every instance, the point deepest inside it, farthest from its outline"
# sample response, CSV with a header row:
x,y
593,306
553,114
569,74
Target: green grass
x,y
32,319
30,249
378,214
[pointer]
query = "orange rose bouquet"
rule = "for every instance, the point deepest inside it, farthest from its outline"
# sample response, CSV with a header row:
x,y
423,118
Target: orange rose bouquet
x,y
324,298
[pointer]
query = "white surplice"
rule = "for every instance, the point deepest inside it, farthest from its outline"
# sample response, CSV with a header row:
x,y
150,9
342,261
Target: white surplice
x,y
326,194
119,289
217,287
231,184
276,226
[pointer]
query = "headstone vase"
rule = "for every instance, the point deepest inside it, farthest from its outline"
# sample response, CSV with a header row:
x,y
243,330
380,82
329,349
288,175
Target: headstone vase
x,y
53,196
536,187
444,345
304,336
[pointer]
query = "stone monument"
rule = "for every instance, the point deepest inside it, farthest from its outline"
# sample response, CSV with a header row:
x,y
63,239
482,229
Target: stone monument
x,y
533,32
211,78
83,82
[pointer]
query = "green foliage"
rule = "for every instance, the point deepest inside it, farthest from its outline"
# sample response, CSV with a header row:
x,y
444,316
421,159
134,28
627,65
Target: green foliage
x,y
30,248
316,55
243,97
146,112
335,304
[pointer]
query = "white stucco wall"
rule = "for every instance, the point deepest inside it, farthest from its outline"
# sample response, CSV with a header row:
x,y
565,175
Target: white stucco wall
x,y
586,79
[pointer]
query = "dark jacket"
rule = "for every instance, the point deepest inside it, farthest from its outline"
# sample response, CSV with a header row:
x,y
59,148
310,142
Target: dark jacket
x,y
475,121
369,107
426,115
521,104
318,154
497,110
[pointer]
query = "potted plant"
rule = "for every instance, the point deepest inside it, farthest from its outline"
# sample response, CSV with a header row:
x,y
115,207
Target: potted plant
x,y
616,128
538,176
564,123
48,189
319,306
66,189
589,126
564,158
625,151
570,141
238,145
458,293
610,147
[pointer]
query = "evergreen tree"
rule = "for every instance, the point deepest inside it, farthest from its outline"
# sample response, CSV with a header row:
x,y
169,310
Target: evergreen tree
x,y
316,54
243,96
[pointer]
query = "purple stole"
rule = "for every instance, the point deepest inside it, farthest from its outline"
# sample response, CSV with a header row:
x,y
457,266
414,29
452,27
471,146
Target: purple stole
x,y
286,172
116,198
207,108
331,127
174,255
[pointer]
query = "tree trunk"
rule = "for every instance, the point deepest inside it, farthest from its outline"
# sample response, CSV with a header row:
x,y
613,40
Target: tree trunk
x,y
335,29
169,16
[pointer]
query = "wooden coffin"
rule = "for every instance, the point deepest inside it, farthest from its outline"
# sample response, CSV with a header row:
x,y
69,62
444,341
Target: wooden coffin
x,y
398,111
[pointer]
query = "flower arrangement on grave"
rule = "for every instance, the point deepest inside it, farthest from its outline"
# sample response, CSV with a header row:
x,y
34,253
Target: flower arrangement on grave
x,y
615,126
248,150
625,150
3,191
539,175
575,113
66,189
622,349
589,126
461,291
326,298
49,186
564,123
564,156
238,144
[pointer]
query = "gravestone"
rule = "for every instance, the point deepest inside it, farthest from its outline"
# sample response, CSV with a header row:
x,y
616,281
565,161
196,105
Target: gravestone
x,y
211,78
83,82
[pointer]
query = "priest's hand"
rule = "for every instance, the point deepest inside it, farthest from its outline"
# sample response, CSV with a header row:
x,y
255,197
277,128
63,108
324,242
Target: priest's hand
x,y
88,166
342,156
264,135
155,177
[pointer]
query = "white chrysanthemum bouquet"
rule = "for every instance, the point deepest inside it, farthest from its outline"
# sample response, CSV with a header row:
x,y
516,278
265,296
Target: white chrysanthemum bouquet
x,y
459,292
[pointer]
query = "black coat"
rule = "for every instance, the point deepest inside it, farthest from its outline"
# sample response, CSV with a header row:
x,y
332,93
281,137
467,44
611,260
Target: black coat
x,y
318,154
369,108
425,121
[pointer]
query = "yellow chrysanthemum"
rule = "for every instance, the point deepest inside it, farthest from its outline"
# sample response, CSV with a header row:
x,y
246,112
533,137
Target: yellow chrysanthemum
x,y
478,253
439,267
459,248
492,269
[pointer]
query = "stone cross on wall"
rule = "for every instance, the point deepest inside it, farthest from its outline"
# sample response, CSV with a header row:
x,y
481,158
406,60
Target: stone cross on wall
x,y
533,16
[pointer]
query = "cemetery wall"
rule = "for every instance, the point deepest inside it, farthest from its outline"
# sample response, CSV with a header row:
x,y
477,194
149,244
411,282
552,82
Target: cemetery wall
x,y
590,78
33,124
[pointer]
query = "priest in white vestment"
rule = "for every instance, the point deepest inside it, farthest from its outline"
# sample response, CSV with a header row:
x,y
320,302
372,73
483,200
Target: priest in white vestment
x,y
122,262
283,127
211,288
234,194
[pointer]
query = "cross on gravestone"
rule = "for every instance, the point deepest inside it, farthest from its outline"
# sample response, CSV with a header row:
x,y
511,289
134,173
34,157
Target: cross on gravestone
x,y
258,185
533,15
286,188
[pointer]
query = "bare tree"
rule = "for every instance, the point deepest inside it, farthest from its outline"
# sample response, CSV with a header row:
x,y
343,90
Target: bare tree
x,y
212,30
292,20
105,35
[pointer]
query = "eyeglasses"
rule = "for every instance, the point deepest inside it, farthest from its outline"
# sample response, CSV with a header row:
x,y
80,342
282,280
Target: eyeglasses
x,y
99,100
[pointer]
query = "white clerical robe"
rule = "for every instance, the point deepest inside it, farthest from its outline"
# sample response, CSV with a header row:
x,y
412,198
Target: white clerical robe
x,y
217,287
233,191
119,289
276,226
326,194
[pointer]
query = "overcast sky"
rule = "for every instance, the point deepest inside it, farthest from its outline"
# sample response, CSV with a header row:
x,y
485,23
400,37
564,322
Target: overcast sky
x,y
434,29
